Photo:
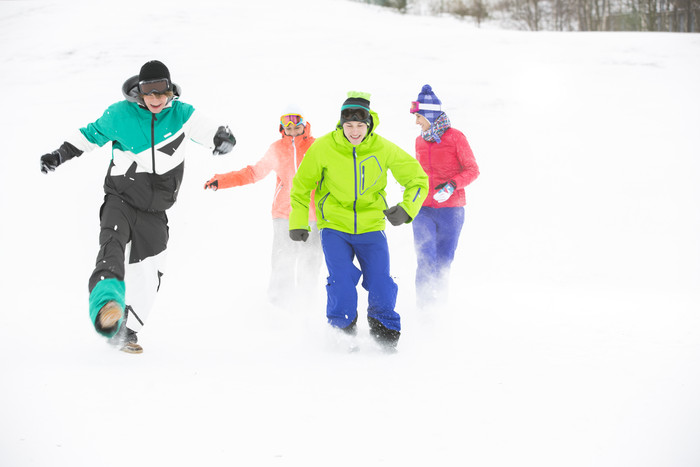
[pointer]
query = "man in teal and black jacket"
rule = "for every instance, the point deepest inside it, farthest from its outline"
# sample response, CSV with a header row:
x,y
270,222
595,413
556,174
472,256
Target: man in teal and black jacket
x,y
148,132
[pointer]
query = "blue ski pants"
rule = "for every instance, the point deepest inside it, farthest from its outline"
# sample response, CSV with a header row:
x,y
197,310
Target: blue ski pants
x,y
372,252
435,235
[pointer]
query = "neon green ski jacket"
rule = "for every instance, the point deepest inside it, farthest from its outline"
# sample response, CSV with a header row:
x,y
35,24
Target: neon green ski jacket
x,y
350,182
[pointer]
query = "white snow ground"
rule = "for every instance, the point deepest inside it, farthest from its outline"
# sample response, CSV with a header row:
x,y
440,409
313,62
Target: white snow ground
x,y
572,335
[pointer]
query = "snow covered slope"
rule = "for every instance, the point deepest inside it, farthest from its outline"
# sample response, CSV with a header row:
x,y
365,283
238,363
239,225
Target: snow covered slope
x,y
572,337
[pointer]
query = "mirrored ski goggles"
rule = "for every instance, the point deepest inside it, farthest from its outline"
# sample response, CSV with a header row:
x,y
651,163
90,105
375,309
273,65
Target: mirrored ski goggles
x,y
154,86
291,120
354,114
416,106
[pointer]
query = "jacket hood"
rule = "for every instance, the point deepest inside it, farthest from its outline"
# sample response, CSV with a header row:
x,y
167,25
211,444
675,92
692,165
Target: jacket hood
x,y
131,92
375,123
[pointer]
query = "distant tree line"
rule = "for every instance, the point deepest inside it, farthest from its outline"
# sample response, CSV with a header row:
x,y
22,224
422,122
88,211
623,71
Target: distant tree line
x,y
565,15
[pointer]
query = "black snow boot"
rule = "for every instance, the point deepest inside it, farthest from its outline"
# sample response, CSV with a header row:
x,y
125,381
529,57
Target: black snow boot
x,y
387,338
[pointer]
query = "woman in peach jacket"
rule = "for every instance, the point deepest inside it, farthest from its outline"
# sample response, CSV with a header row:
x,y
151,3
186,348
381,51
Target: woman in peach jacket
x,y
295,265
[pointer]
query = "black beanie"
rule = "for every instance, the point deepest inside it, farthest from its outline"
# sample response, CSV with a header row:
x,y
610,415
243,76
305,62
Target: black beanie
x,y
355,102
154,70
358,101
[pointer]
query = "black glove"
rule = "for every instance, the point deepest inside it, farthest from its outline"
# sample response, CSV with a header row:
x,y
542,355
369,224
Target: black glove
x,y
65,152
212,184
223,141
397,215
49,162
299,235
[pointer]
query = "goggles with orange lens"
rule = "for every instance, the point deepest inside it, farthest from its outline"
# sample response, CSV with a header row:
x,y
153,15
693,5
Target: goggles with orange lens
x,y
291,120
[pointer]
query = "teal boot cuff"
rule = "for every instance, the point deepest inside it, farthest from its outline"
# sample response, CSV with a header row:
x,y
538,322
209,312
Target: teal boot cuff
x,y
104,291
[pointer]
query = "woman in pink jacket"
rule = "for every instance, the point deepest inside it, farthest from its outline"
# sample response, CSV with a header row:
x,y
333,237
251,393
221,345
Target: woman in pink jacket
x,y
295,265
446,157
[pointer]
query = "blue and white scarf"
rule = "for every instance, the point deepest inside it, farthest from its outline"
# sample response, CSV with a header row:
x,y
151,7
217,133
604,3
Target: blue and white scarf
x,y
437,129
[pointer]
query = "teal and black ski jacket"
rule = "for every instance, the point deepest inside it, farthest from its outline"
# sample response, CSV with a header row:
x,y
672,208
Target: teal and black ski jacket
x,y
148,150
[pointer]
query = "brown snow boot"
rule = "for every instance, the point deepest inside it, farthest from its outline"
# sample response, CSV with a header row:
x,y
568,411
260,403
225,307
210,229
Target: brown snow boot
x,y
131,347
109,315
130,342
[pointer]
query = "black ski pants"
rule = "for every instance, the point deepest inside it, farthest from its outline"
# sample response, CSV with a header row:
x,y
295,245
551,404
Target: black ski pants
x,y
143,236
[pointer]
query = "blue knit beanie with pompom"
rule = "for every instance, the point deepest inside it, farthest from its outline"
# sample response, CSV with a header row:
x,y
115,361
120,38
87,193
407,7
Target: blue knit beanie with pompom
x,y
429,105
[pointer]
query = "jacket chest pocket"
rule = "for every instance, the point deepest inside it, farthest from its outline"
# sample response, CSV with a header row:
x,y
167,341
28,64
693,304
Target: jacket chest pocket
x,y
370,173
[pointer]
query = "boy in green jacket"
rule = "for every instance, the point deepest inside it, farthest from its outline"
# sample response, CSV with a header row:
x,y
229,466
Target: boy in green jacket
x,y
348,169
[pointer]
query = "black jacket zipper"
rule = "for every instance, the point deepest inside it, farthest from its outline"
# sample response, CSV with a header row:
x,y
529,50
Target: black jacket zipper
x,y
153,142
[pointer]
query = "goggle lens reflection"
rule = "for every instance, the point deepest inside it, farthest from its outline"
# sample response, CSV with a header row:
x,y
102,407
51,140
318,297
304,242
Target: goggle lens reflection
x,y
291,120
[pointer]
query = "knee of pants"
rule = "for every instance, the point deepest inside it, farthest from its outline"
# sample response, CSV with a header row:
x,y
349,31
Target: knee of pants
x,y
382,298
343,289
143,281
109,262
349,274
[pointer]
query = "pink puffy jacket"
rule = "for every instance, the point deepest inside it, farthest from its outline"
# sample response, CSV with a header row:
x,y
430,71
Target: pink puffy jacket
x,y
451,159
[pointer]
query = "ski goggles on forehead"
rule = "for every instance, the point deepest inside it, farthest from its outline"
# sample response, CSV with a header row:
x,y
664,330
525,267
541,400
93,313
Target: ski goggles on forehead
x,y
154,86
354,114
416,106
291,120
